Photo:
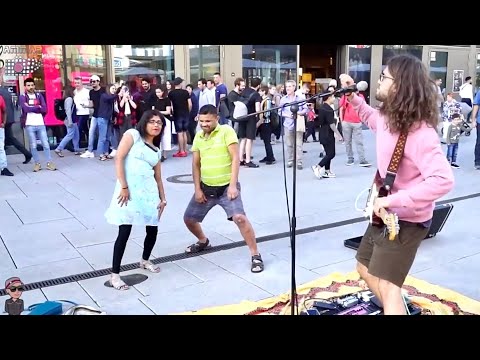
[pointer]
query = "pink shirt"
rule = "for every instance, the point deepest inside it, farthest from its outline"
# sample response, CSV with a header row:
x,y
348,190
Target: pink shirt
x,y
424,174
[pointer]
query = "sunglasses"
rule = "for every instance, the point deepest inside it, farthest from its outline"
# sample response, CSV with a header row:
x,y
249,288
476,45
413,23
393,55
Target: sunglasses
x,y
15,288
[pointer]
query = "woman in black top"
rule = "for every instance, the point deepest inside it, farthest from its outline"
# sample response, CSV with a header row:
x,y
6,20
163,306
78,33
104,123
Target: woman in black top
x,y
327,134
162,103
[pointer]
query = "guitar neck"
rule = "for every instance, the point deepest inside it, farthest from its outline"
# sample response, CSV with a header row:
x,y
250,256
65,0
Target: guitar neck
x,y
384,214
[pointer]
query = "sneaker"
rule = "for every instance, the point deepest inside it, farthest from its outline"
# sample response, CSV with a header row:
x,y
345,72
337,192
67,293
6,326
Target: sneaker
x,y
51,166
87,155
251,164
27,159
113,153
477,167
270,162
37,167
289,164
177,154
6,172
364,163
329,174
455,165
317,171
264,160
299,165
350,162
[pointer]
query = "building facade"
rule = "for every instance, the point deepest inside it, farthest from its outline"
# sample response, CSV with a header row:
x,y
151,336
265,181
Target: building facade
x,y
53,66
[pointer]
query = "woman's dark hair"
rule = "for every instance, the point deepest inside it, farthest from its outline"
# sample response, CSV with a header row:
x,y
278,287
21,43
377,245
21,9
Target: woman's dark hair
x,y
146,117
413,97
163,88
68,91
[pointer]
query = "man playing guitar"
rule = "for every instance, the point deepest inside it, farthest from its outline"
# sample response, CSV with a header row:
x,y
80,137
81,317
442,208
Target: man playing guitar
x,y
408,106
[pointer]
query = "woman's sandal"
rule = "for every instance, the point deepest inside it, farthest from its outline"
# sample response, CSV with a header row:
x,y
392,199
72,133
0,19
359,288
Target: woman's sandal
x,y
198,246
257,264
102,158
119,284
147,265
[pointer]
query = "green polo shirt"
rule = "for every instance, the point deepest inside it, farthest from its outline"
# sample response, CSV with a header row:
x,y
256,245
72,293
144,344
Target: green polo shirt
x,y
215,160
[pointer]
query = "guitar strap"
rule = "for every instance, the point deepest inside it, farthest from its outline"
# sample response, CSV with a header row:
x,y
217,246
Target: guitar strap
x,y
395,162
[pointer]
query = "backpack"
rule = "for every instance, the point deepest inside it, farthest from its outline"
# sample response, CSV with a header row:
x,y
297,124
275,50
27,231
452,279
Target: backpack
x,y
240,108
59,109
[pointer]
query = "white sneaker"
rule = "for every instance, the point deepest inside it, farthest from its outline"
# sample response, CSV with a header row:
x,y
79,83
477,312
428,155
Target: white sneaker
x,y
113,153
318,171
329,174
87,154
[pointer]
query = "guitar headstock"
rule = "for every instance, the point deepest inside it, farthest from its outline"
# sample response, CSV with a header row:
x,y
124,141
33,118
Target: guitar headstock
x,y
391,222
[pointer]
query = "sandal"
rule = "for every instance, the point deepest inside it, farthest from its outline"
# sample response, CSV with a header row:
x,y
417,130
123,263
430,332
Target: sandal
x,y
119,284
257,264
59,153
102,158
148,265
198,247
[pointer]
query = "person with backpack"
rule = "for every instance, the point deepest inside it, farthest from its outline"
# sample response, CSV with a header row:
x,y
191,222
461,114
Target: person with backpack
x,y
67,114
265,125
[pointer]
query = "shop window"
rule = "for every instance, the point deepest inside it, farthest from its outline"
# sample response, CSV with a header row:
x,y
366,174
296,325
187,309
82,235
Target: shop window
x,y
391,50
204,61
84,61
134,62
273,64
438,66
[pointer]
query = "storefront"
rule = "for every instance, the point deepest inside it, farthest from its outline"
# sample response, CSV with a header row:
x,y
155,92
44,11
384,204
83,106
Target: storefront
x,y
53,66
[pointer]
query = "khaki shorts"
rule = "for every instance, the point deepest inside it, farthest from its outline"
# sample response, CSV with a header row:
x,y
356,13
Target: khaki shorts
x,y
391,260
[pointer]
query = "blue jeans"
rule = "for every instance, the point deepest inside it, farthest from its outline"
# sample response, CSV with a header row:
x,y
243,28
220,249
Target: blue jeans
x,y
477,146
3,154
72,134
91,133
41,132
452,151
102,145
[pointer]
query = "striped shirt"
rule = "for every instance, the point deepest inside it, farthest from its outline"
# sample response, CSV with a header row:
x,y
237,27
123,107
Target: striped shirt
x,y
215,160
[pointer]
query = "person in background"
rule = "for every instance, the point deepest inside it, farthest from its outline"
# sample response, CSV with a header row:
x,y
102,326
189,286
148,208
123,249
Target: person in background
x,y
73,134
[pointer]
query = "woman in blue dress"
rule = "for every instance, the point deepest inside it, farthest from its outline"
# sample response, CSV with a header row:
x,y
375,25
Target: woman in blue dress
x,y
139,197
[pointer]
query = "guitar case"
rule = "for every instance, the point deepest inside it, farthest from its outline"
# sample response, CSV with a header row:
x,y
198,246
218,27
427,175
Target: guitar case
x,y
441,214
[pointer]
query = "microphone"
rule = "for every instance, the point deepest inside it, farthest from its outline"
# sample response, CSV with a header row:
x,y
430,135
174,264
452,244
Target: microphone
x,y
361,86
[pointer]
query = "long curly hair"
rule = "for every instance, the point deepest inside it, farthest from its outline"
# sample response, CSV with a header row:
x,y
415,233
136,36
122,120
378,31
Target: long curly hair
x,y
413,97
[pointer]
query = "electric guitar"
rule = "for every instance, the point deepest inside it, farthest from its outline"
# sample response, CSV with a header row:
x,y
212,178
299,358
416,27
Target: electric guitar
x,y
389,220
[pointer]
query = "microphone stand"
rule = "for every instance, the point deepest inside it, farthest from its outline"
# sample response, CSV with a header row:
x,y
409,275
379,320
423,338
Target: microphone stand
x,y
294,107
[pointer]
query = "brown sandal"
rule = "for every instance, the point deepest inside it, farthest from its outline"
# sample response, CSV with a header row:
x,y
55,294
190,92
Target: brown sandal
x,y
198,247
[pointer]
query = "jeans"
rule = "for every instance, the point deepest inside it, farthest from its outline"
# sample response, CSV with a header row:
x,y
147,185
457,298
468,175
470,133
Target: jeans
x,y
353,132
452,151
72,134
477,146
102,145
91,133
3,154
41,132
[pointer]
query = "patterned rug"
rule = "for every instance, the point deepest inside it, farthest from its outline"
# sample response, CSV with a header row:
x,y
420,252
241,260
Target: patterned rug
x,y
432,299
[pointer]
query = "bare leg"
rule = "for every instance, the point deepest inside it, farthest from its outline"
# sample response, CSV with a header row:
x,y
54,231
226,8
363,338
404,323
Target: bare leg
x,y
241,148
248,150
196,229
247,232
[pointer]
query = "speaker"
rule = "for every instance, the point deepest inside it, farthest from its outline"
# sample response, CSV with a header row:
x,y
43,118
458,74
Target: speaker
x,y
440,216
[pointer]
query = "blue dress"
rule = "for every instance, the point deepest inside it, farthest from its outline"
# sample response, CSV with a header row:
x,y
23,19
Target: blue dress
x,y
141,209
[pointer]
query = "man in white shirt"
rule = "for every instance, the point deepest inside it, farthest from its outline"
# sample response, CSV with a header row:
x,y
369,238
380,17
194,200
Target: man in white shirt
x,y
81,99
34,109
466,93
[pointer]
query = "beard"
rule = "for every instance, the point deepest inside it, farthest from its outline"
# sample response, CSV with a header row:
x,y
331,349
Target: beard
x,y
380,96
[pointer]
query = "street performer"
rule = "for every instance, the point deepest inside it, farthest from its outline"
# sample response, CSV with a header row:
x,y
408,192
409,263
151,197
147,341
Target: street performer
x,y
408,106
